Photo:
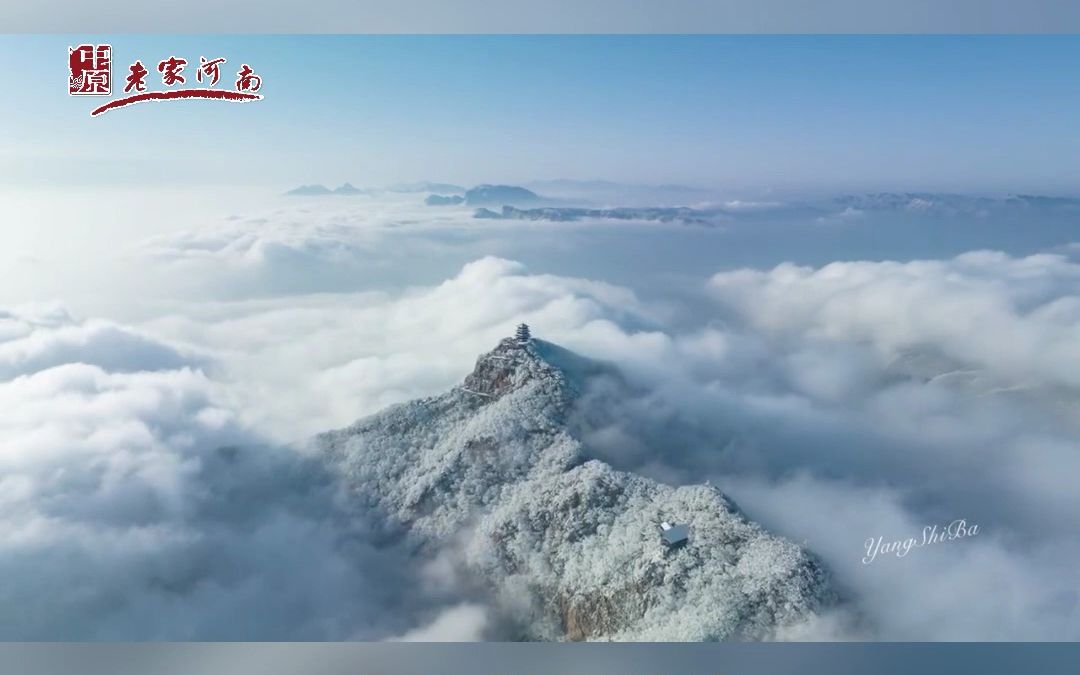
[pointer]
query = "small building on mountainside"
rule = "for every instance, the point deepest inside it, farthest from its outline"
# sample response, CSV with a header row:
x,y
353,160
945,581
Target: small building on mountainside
x,y
674,536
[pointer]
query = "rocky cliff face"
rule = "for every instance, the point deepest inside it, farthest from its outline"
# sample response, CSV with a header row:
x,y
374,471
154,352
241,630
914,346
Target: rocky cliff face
x,y
568,546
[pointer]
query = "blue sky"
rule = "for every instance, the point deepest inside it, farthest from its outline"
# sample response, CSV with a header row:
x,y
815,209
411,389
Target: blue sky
x,y
760,113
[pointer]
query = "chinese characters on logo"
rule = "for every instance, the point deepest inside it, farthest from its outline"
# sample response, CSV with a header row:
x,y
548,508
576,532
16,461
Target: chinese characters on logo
x,y
137,78
211,69
90,70
170,70
247,80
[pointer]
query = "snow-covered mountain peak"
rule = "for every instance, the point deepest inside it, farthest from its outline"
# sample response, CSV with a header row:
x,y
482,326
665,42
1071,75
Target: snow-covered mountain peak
x,y
510,366
514,364
568,547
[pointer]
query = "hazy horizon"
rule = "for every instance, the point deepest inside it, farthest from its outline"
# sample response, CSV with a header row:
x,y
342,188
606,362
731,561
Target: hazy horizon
x,y
810,114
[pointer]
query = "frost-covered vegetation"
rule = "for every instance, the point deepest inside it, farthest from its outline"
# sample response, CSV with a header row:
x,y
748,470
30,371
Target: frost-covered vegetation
x,y
569,547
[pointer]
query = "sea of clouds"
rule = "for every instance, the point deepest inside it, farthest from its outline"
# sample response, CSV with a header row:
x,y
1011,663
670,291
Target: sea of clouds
x,y
150,489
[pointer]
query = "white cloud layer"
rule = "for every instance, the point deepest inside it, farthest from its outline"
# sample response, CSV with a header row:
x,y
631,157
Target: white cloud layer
x,y
145,494
133,505
461,623
306,364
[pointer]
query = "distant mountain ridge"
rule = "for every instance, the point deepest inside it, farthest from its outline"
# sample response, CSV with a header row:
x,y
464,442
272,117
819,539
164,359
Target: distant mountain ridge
x,y
500,195
570,214
427,186
444,200
608,194
949,203
318,190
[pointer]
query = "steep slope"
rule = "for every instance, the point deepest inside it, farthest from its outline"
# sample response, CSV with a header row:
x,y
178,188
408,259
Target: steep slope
x,y
569,547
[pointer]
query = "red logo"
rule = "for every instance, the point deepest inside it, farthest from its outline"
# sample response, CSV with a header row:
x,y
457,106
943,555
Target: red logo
x,y
211,69
170,70
91,75
137,77
90,70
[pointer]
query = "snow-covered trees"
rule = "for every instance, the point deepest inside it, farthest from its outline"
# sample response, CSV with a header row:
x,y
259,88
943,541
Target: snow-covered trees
x,y
568,545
